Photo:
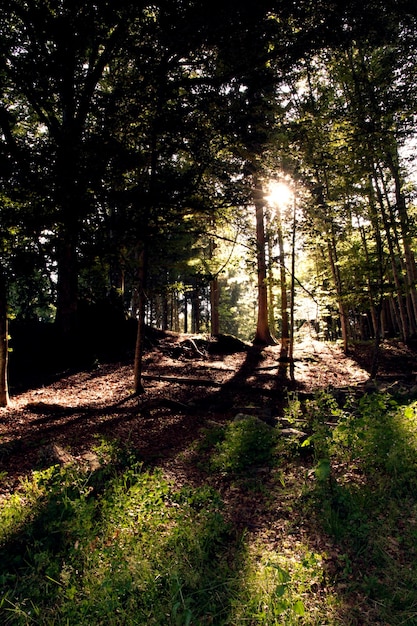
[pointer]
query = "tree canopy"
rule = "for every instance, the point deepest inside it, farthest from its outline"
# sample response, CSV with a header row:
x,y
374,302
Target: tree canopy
x,y
137,137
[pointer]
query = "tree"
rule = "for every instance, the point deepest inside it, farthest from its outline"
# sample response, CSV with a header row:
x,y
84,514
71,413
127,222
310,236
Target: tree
x,y
55,58
263,335
4,392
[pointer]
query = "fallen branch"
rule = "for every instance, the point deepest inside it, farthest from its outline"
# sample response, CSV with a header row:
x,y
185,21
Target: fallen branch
x,y
203,382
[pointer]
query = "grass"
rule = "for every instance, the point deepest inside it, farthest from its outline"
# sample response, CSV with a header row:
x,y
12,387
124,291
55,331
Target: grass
x,y
334,537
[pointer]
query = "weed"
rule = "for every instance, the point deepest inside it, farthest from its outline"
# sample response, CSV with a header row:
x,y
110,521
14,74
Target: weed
x,y
247,442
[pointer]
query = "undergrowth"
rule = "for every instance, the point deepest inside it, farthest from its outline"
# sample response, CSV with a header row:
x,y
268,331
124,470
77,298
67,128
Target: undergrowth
x,y
335,541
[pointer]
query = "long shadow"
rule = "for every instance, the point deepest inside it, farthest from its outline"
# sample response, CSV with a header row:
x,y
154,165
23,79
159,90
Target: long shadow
x,y
395,359
50,552
345,507
64,533
348,517
364,513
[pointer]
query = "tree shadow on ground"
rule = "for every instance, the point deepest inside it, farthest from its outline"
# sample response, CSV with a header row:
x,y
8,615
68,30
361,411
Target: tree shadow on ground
x,y
343,517
363,511
117,544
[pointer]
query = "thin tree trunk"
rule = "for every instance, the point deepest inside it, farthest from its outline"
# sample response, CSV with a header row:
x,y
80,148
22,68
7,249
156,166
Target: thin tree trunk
x,y
4,391
371,294
263,335
67,287
270,282
403,322
185,311
292,311
285,335
214,306
409,258
175,311
195,308
331,247
141,299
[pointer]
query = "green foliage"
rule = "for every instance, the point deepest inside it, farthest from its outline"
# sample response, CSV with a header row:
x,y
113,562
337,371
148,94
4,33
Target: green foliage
x,y
122,545
246,442
364,489
272,592
81,548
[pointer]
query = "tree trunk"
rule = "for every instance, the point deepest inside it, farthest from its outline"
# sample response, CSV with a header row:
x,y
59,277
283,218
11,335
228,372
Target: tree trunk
x,y
270,282
175,313
292,309
195,308
214,306
285,334
4,391
141,299
406,234
185,310
263,335
67,294
332,252
403,321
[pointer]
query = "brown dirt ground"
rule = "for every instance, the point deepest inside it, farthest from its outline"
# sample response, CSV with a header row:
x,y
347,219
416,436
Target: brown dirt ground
x,y
63,420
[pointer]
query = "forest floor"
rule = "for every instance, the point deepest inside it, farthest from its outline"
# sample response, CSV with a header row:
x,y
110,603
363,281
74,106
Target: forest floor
x,y
189,389
184,391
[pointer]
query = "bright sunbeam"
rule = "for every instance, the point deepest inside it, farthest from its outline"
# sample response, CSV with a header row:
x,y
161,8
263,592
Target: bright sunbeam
x,y
279,194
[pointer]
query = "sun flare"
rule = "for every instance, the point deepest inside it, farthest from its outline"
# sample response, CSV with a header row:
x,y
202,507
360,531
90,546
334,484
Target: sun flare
x,y
279,194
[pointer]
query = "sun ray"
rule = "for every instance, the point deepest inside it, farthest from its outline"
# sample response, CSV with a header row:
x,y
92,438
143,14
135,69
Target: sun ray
x,y
279,194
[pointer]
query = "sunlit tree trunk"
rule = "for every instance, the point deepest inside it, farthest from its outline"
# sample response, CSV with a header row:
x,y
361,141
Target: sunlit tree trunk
x,y
292,305
285,334
263,334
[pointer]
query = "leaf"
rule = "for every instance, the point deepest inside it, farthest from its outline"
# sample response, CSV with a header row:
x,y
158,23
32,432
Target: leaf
x,y
322,470
299,608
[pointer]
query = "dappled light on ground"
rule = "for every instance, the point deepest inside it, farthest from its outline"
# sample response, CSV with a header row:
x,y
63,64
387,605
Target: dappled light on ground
x,y
299,504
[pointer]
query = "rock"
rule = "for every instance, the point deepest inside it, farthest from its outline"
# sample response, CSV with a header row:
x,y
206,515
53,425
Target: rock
x,y
293,432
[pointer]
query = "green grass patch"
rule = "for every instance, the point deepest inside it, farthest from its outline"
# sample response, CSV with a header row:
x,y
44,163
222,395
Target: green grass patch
x,y
242,445
332,537
119,548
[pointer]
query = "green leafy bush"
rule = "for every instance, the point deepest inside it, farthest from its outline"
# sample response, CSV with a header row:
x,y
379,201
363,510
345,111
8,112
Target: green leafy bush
x,y
247,442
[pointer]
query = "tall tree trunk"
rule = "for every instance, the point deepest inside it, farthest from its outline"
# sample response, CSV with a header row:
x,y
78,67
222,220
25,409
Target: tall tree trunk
x,y
285,334
214,306
292,306
69,200
332,252
66,318
406,235
141,300
263,335
214,291
185,310
270,282
403,321
4,391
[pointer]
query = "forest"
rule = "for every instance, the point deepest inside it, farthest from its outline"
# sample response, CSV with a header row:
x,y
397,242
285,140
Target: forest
x,y
208,312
